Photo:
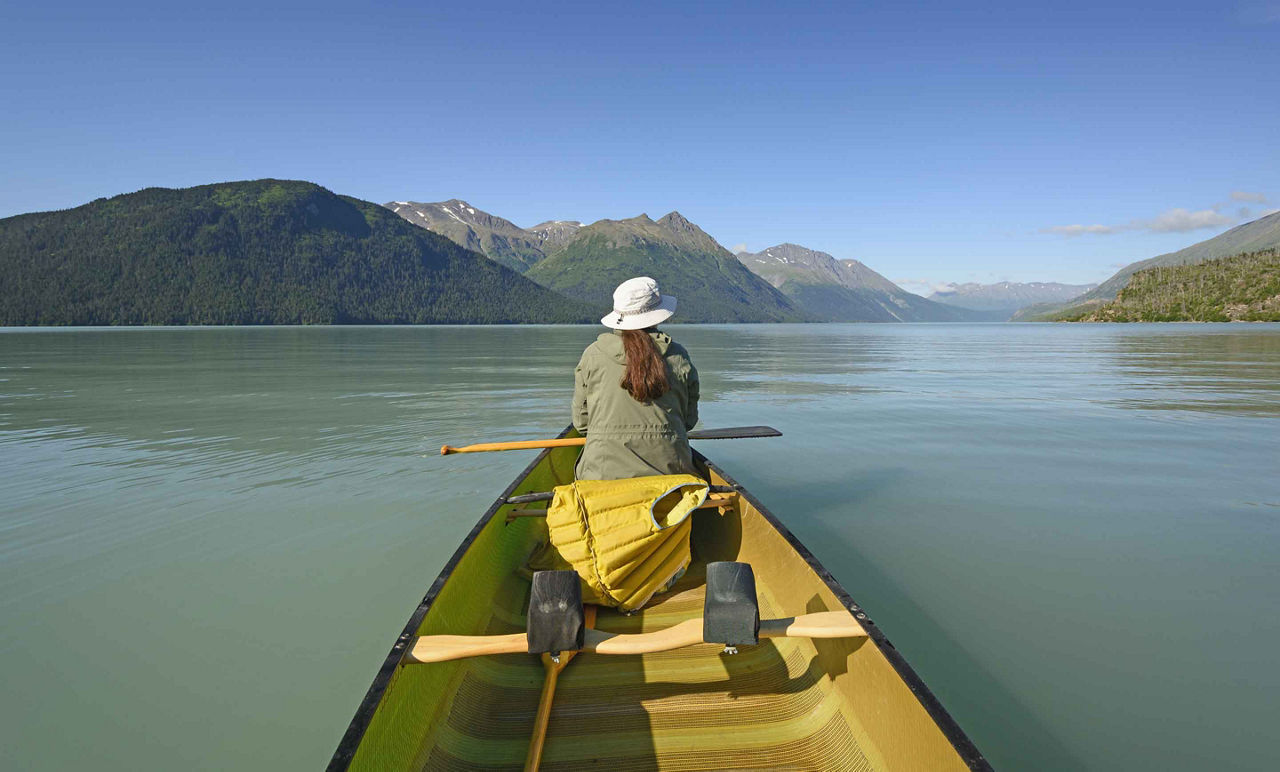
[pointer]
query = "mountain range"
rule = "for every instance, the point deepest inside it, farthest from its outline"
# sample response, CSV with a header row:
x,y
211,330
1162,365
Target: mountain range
x,y
832,290
783,283
291,252
1257,235
254,252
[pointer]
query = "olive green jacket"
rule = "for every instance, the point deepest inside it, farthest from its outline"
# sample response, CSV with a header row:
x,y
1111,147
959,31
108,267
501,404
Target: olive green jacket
x,y
625,437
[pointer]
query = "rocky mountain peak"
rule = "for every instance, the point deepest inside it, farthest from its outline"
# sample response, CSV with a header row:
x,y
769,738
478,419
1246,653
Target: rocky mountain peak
x,y
475,229
794,254
677,221
840,290
554,234
792,262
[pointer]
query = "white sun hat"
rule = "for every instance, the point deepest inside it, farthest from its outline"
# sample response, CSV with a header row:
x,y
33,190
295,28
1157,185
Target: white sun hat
x,y
637,304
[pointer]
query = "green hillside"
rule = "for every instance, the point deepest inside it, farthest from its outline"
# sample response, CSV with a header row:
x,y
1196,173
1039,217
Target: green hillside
x,y
259,252
1240,288
710,283
1263,233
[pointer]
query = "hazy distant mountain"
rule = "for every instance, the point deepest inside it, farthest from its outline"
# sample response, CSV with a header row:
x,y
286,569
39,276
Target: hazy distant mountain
x,y
1002,299
711,285
843,290
255,252
477,230
1260,234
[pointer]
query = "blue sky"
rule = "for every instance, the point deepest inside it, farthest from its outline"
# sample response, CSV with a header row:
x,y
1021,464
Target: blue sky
x,y
933,141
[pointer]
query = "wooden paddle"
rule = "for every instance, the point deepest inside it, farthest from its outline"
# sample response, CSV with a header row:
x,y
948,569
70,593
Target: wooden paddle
x,y
733,433
543,719
442,648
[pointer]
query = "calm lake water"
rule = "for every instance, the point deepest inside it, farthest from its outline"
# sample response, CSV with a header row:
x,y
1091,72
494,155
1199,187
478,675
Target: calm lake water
x,y
212,536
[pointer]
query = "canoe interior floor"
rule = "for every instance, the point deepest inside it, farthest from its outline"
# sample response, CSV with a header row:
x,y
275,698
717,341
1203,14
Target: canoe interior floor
x,y
768,707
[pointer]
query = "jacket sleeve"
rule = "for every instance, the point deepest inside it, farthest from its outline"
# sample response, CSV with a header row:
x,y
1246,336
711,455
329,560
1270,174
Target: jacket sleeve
x,y
691,391
580,417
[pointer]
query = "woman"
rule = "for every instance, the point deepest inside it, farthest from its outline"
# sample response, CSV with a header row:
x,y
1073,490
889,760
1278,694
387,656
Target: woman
x,y
635,394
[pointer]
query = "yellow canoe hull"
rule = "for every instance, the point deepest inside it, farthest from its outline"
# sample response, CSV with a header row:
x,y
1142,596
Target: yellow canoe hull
x,y
789,703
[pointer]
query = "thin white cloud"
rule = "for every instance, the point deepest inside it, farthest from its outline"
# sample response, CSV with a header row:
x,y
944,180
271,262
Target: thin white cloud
x,y
736,248
1182,220
1244,195
1177,220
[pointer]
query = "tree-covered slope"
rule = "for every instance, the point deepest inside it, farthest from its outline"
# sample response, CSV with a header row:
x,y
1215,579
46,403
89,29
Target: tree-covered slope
x,y
1260,234
843,290
257,252
710,283
1239,288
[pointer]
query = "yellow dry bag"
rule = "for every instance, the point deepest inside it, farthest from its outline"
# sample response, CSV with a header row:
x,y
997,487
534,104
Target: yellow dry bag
x,y
627,539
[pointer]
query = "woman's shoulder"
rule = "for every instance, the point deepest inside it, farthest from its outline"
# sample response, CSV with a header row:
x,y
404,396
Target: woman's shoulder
x,y
674,349
603,347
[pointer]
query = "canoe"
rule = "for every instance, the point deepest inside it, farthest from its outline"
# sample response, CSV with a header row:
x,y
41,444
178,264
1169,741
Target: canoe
x,y
790,703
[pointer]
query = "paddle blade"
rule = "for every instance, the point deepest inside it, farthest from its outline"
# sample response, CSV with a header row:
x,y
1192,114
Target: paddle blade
x,y
735,433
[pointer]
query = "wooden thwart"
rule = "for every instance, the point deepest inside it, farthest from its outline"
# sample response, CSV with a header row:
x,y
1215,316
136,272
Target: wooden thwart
x,y
442,648
721,502
529,498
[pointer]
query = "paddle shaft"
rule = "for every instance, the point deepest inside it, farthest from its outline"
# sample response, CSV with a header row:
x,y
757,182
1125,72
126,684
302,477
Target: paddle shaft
x,y
540,723
733,433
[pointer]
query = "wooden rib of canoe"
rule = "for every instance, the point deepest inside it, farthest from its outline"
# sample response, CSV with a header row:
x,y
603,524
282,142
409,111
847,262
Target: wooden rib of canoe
x,y
787,703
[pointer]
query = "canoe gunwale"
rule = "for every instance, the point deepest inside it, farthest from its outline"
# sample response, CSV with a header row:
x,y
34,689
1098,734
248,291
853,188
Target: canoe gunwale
x,y
355,732
960,741
369,705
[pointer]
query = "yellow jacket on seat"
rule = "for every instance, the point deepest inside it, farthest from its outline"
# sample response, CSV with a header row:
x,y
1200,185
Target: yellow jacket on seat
x,y
627,539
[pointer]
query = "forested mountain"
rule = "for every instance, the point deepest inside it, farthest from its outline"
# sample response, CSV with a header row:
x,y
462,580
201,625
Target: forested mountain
x,y
710,283
257,252
1243,287
843,291
476,230
1003,299
1260,234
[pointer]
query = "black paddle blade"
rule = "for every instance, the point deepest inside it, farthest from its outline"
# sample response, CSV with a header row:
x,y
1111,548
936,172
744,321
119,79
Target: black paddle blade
x,y
735,433
731,613
556,621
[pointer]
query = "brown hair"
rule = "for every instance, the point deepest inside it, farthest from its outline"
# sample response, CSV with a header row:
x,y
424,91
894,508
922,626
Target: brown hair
x,y
646,375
